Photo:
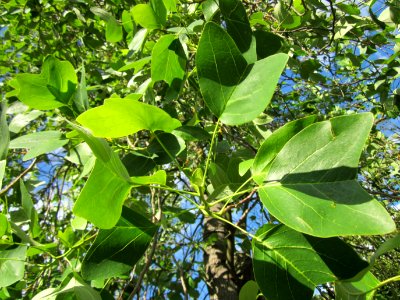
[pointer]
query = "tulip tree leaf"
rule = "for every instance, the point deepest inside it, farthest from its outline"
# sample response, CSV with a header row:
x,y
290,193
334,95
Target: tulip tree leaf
x,y
311,184
121,117
168,61
145,16
116,250
102,197
362,289
50,89
289,264
12,265
233,90
113,31
39,143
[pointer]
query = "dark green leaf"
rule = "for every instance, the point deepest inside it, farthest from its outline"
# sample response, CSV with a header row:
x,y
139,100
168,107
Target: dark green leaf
x,y
267,43
116,251
289,264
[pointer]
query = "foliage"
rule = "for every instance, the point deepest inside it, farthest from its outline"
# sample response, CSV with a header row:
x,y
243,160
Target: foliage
x,y
128,127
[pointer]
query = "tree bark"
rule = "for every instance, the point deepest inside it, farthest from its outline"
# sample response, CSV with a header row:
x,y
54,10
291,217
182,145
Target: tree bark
x,y
219,264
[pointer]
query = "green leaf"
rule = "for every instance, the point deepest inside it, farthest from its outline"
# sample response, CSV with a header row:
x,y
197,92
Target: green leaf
x,y
38,143
50,89
234,91
159,177
289,264
29,209
105,191
144,15
136,65
160,11
4,132
113,31
23,119
249,291
168,60
237,23
191,133
4,226
388,245
276,141
3,164
363,289
116,251
121,117
165,147
311,184
138,164
137,42
267,43
12,265
81,97
127,21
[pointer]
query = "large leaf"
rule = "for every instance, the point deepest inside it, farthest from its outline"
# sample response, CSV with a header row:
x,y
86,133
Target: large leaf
x,y
237,23
121,117
50,89
12,265
362,289
168,61
311,184
38,143
233,90
102,197
115,251
289,264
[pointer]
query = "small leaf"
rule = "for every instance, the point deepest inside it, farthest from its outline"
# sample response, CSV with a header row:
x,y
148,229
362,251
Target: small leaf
x,y
249,291
144,15
159,177
191,133
29,209
12,265
115,251
113,31
38,143
388,245
21,120
121,117
289,264
4,132
50,89
81,97
168,60
165,147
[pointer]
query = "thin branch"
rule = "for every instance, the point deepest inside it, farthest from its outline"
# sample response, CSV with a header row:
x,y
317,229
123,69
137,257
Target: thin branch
x,y
11,184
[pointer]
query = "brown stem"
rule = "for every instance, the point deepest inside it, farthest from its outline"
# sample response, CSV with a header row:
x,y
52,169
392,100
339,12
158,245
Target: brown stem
x,y
11,184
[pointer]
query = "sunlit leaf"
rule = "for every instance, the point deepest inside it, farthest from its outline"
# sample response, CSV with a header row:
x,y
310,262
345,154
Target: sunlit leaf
x,y
12,265
362,289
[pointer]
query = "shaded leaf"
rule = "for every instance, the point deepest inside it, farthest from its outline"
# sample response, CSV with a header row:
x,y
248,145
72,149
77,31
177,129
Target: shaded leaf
x,y
363,289
289,264
116,251
38,143
249,291
12,265
29,209
234,91
165,147
168,61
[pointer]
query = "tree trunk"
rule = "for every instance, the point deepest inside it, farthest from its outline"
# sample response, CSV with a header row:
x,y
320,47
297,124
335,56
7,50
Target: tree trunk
x,y
219,258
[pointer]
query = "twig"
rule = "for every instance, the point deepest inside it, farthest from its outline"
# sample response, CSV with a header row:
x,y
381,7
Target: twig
x,y
11,184
244,200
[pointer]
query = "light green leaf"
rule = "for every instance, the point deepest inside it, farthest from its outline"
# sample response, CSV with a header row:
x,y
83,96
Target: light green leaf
x,y
234,91
121,117
388,245
127,21
289,264
50,89
275,142
116,251
4,226
3,165
363,289
160,11
144,15
104,191
136,65
168,61
4,132
159,177
137,42
22,120
12,265
103,152
113,31
311,184
38,143
249,291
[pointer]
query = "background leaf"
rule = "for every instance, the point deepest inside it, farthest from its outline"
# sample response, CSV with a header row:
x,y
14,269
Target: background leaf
x,y
12,265
116,251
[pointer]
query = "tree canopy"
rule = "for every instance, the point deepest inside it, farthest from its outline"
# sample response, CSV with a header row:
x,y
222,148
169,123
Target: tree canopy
x,y
222,149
